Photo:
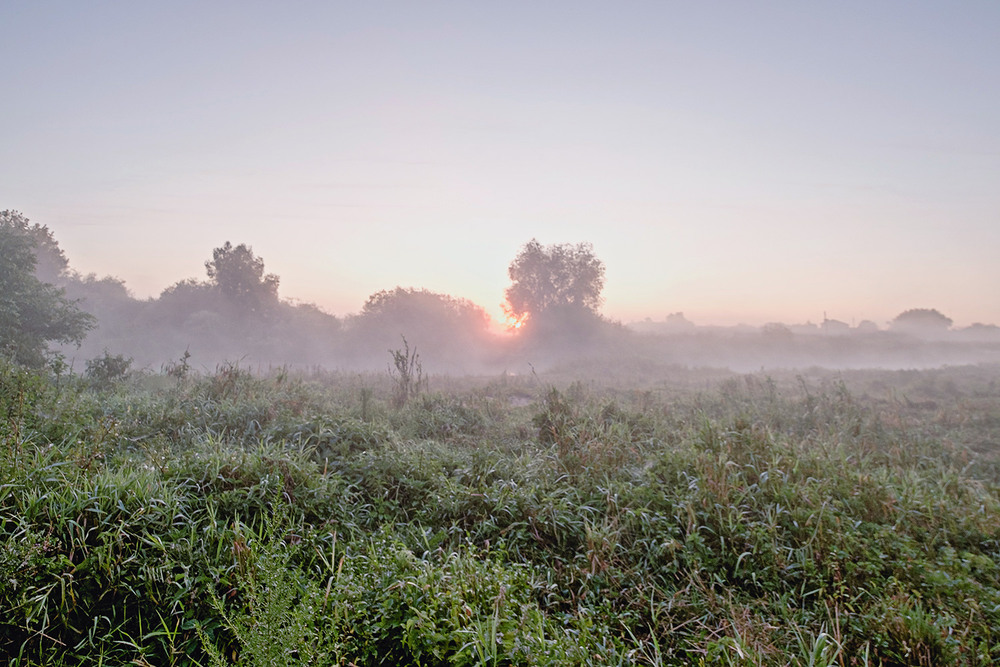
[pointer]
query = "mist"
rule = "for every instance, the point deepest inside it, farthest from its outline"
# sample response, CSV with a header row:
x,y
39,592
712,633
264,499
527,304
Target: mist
x,y
235,315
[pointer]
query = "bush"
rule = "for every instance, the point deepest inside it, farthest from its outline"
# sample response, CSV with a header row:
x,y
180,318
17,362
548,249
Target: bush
x,y
106,370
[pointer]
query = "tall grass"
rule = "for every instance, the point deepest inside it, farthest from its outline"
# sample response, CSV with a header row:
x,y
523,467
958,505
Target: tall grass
x,y
810,519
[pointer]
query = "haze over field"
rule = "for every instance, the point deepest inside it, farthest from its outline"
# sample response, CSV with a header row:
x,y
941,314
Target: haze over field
x,y
738,162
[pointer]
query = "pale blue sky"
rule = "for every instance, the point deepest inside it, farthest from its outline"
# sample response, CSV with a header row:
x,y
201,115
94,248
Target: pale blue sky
x,y
737,161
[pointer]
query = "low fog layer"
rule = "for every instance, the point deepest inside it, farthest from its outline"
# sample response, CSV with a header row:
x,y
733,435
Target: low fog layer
x,y
234,314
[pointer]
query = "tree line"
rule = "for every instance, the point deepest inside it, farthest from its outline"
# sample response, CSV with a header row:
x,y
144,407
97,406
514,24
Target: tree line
x,y
50,313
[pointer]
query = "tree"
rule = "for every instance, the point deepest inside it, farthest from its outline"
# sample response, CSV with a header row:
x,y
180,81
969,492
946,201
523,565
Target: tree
x,y
561,277
422,309
32,313
451,333
51,265
239,275
921,321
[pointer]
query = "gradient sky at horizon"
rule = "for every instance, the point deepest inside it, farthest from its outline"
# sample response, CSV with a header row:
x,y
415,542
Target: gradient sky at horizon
x,y
737,161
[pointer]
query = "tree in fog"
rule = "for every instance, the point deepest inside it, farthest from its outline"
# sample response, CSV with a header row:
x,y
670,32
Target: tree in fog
x,y
677,323
420,313
450,332
921,321
866,327
33,313
776,332
239,276
119,315
981,332
562,278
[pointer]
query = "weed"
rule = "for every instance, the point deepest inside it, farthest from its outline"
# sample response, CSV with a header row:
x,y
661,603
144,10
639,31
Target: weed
x,y
407,374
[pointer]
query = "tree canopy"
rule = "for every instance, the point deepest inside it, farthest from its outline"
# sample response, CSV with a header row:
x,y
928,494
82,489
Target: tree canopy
x,y
32,313
407,306
448,331
239,275
554,277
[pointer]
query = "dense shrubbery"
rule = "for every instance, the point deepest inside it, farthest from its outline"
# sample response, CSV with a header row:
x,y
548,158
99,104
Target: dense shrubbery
x,y
185,519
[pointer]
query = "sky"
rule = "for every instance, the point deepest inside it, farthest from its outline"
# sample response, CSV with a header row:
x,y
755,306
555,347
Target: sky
x,y
740,162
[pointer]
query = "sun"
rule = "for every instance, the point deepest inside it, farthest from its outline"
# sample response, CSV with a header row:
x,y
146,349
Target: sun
x,y
515,323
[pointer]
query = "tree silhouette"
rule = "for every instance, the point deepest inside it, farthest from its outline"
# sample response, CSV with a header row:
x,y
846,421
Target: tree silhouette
x,y
420,308
561,277
449,331
921,320
239,276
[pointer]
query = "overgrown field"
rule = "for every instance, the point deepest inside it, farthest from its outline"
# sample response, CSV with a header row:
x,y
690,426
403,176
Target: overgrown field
x,y
682,518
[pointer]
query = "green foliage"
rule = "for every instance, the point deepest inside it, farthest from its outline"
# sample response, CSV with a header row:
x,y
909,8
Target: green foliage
x,y
51,264
108,369
32,313
443,418
179,369
245,519
20,392
556,419
326,438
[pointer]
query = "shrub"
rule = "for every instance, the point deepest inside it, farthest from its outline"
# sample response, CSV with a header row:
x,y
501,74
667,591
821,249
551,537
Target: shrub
x,y
108,369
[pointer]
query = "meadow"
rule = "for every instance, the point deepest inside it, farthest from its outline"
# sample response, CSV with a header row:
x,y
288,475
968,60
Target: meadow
x,y
603,515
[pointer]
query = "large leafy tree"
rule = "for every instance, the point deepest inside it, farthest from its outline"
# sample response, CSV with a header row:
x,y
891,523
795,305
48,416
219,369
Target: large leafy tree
x,y
449,332
402,306
32,313
554,278
239,275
